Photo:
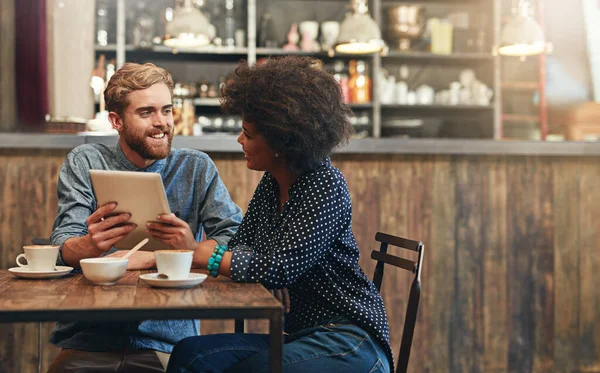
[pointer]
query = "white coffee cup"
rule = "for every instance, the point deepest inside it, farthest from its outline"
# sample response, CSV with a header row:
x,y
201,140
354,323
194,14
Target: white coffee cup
x,y
176,264
40,258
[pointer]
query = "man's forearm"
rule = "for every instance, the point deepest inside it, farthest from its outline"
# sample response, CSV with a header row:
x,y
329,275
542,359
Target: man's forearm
x,y
76,248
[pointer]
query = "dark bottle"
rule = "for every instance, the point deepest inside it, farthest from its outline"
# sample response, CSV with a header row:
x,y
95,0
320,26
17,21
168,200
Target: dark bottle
x,y
266,38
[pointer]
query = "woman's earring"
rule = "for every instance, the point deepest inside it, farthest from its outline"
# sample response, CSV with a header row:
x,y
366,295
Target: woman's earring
x,y
276,155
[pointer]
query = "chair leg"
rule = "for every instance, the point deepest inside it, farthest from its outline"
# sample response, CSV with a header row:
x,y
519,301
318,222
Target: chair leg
x,y
39,347
239,326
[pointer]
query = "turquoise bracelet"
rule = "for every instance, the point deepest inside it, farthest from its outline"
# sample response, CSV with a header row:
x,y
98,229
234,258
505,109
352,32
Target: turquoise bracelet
x,y
215,260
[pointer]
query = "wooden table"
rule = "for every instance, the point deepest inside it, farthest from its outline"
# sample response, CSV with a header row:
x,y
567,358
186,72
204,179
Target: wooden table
x,y
73,298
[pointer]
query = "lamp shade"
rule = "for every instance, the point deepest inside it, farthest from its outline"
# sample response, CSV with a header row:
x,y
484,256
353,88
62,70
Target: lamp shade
x,y
189,28
359,33
522,36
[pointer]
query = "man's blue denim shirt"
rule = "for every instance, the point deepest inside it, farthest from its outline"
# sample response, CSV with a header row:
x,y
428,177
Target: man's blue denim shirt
x,y
193,188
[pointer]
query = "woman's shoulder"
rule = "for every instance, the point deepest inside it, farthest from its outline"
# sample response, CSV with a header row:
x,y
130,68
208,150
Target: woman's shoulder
x,y
326,174
323,180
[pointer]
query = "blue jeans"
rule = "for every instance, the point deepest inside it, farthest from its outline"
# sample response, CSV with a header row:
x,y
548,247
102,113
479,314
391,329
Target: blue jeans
x,y
327,348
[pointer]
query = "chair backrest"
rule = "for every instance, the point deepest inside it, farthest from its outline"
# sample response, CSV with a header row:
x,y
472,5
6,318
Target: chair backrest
x,y
382,258
40,241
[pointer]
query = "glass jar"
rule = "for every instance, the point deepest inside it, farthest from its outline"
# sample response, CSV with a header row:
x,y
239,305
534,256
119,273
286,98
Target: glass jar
x,y
360,83
339,74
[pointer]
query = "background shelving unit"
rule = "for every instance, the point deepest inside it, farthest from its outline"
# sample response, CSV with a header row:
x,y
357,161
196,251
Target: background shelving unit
x,y
524,109
212,62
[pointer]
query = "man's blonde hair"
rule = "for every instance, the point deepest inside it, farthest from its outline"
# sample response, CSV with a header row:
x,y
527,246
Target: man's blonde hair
x,y
133,77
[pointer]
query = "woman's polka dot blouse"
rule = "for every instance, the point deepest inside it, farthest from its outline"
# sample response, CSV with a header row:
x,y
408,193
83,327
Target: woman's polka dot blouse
x,y
310,249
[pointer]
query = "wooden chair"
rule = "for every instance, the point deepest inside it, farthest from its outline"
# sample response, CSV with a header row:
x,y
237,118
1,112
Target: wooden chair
x,y
382,257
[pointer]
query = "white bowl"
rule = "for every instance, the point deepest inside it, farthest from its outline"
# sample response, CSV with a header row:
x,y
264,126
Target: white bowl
x,y
103,271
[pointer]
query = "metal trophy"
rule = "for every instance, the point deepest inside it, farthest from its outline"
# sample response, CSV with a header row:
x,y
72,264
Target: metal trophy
x,y
405,23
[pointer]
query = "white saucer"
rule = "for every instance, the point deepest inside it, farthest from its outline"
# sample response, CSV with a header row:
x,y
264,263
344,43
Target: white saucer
x,y
193,280
25,272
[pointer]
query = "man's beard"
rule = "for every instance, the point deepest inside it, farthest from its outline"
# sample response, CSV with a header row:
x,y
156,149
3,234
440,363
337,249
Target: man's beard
x,y
139,144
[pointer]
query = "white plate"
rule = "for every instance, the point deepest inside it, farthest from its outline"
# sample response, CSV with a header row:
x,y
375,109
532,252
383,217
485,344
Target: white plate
x,y
193,280
25,272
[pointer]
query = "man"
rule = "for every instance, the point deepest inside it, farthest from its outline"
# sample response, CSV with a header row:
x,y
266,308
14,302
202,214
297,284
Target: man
x,y
139,101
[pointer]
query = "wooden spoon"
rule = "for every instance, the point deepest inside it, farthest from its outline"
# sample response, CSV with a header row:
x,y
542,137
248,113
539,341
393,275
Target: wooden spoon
x,y
136,248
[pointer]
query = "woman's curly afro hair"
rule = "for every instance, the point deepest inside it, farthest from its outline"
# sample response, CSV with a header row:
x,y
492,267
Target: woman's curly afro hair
x,y
295,104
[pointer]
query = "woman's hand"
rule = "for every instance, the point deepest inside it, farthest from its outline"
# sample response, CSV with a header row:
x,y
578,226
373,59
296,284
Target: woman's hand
x,y
284,297
138,261
173,232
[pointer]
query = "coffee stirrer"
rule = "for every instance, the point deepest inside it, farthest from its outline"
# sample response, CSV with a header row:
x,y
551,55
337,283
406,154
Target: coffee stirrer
x,y
136,248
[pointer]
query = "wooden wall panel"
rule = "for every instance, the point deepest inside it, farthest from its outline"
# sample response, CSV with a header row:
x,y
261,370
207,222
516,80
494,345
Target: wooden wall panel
x,y
542,234
367,190
419,207
589,269
8,93
511,253
566,179
531,295
467,327
440,251
495,297
27,209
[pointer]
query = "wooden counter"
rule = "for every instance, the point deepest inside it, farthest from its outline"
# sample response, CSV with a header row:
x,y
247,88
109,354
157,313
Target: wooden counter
x,y
512,244
223,143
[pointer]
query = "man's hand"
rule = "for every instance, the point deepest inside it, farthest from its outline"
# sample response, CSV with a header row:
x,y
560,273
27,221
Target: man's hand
x,y
139,260
284,297
104,232
172,231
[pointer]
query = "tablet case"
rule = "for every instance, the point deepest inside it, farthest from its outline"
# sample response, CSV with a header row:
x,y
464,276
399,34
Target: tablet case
x,y
141,194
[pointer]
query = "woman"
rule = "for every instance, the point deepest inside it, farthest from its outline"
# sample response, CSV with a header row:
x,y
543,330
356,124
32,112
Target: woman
x,y
297,232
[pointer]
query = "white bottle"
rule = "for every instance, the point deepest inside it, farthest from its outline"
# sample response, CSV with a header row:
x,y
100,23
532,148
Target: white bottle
x,y
402,86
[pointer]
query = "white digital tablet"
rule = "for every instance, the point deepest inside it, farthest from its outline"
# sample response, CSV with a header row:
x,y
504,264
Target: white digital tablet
x,y
141,194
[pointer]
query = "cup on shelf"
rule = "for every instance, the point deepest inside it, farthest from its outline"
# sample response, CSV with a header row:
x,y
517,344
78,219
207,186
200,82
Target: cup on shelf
x,y
309,31
329,34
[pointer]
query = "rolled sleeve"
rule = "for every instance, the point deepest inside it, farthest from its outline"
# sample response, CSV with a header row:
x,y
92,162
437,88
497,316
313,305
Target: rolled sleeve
x,y
75,203
59,240
240,262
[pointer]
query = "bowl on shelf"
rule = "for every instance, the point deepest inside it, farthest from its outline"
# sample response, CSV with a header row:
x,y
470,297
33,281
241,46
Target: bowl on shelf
x,y
405,24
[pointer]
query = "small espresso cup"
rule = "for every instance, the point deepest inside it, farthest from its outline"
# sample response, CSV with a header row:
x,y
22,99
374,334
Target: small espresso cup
x,y
176,264
39,257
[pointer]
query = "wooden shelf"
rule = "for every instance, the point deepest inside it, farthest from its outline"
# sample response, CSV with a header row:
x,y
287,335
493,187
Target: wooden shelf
x,y
385,4
282,52
418,55
439,107
322,55
361,106
520,118
213,102
106,48
129,48
202,50
521,86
